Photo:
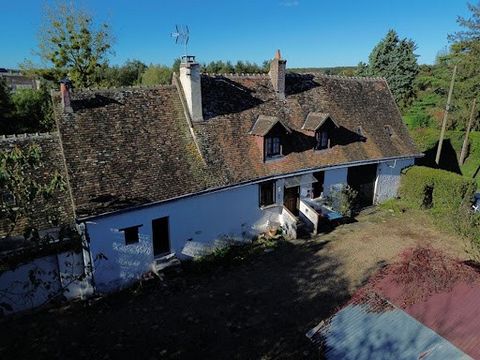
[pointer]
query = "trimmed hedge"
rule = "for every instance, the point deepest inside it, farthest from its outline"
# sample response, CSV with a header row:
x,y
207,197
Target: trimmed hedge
x,y
441,190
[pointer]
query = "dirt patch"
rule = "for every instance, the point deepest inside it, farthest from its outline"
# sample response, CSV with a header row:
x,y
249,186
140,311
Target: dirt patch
x,y
437,289
259,307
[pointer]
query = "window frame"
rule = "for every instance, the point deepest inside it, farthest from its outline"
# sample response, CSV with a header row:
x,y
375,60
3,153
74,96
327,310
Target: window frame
x,y
322,135
263,199
273,147
131,234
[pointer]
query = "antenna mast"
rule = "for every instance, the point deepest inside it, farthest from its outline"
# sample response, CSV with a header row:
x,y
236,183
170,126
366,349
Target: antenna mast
x,y
182,35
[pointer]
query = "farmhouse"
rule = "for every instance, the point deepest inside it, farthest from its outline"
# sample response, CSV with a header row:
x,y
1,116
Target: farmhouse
x,y
173,170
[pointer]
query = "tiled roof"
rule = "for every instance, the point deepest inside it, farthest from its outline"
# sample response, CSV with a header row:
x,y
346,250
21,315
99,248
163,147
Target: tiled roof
x,y
127,147
315,120
233,104
57,210
264,124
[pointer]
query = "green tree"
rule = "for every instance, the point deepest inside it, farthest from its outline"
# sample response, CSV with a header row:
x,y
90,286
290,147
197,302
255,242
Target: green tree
x,y
128,74
394,59
21,186
6,107
74,44
465,53
176,66
33,110
157,75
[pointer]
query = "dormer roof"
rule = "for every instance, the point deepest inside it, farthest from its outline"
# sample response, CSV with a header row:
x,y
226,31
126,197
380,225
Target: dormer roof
x,y
265,123
315,120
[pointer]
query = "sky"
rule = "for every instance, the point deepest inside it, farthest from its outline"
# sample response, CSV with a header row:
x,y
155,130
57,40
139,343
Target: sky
x,y
309,33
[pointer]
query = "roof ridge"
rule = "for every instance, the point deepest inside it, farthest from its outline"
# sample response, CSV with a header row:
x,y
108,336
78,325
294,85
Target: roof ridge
x,y
9,137
340,77
237,75
120,88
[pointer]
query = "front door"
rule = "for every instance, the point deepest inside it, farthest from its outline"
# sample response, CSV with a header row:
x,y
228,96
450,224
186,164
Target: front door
x,y
290,199
160,236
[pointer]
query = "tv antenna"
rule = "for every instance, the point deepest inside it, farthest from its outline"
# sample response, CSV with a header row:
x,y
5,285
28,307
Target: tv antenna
x,y
181,35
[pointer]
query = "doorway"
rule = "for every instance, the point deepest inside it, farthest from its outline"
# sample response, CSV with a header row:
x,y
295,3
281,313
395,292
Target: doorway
x,y
160,236
290,199
362,179
317,187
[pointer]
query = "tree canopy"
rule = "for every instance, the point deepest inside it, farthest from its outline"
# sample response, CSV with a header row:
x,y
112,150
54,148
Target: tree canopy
x,y
74,44
394,59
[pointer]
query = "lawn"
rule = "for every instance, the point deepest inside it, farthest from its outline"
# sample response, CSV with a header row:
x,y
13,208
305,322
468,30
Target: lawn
x,y
427,138
260,306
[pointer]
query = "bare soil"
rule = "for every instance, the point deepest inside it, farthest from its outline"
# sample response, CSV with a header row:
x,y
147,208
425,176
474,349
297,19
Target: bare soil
x,y
260,307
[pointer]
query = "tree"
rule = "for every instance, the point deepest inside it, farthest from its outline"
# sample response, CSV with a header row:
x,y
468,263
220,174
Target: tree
x,y
157,75
70,40
33,110
21,186
394,59
128,74
465,53
6,107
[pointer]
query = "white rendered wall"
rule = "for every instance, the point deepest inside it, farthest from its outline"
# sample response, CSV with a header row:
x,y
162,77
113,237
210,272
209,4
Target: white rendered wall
x,y
335,179
388,178
18,291
201,219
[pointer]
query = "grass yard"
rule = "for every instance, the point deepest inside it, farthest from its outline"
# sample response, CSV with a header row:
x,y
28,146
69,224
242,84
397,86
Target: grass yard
x,y
427,138
260,306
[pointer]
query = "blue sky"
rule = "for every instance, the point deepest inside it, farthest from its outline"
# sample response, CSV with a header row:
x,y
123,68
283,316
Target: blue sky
x,y
309,33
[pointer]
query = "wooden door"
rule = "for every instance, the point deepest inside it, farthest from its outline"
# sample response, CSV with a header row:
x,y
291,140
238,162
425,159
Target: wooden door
x,y
160,236
290,199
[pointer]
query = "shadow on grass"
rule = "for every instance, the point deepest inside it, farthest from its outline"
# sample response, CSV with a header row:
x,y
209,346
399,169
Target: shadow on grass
x,y
261,305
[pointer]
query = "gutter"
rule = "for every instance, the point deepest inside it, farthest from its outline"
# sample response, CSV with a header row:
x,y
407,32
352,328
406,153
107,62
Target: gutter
x,y
248,182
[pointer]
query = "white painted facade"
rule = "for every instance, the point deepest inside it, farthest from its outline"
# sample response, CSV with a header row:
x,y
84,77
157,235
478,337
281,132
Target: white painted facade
x,y
203,219
388,178
52,275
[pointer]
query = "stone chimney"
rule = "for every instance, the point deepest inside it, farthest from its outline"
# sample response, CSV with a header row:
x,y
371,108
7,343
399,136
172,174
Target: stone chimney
x,y
191,83
65,86
277,74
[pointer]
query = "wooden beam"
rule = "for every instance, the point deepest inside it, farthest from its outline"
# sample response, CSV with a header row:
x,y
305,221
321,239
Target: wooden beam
x,y
463,154
445,116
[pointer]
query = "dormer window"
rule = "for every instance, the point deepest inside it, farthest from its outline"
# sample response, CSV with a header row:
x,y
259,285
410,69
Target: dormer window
x,y
322,140
273,147
270,133
321,126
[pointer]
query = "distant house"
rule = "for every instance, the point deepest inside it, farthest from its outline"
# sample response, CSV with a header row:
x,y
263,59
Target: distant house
x,y
16,81
176,169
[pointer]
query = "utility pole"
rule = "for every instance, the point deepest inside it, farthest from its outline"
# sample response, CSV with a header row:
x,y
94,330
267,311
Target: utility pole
x,y
445,116
463,154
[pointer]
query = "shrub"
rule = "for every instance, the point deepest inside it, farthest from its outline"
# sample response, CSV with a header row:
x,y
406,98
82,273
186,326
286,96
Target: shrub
x,y
448,196
440,190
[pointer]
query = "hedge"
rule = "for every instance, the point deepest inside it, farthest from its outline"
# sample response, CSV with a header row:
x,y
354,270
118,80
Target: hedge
x,y
441,190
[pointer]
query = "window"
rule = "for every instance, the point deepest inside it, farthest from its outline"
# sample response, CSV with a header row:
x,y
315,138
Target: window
x,y
131,234
267,193
272,147
322,140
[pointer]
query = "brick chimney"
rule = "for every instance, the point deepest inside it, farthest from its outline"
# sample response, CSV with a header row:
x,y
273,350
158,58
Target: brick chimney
x,y
65,86
277,74
191,83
